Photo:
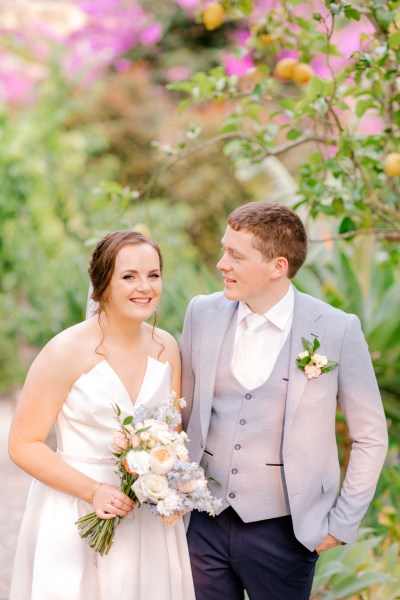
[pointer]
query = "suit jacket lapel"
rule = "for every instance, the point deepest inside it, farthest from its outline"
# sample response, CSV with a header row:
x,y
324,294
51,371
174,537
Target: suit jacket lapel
x,y
214,332
306,323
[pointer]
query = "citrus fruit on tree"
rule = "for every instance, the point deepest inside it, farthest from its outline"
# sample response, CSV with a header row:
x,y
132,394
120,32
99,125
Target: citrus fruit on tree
x,y
302,73
213,15
391,164
285,67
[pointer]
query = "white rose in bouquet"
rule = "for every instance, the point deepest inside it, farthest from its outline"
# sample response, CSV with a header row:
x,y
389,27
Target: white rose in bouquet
x,y
155,427
151,486
137,462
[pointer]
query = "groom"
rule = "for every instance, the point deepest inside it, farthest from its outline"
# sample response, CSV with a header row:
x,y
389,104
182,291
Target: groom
x,y
263,426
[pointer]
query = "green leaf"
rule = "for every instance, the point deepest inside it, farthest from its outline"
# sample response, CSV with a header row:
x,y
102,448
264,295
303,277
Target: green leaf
x,y
127,420
307,345
351,13
394,39
385,17
229,127
302,362
183,104
346,225
363,105
329,366
316,344
356,583
293,134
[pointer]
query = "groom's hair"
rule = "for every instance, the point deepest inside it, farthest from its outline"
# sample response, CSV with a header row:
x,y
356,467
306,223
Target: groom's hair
x,y
277,230
102,263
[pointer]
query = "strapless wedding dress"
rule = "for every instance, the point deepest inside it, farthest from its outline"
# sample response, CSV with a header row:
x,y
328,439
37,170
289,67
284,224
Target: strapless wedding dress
x,y
148,560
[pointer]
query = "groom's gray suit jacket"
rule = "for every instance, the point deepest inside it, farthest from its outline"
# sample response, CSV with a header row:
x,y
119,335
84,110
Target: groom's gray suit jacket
x,y
309,449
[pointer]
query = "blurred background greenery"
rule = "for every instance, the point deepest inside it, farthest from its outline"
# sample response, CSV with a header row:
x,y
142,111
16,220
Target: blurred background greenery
x,y
93,140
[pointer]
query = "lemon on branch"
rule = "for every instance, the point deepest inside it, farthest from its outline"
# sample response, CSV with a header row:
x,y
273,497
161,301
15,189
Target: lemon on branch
x,y
213,16
391,164
302,73
285,67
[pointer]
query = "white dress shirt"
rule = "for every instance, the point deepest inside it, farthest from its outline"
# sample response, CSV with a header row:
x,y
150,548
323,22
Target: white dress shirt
x,y
272,337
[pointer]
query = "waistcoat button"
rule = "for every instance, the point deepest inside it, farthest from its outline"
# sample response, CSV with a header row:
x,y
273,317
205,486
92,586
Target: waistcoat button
x,y
232,495
234,471
237,446
248,396
242,421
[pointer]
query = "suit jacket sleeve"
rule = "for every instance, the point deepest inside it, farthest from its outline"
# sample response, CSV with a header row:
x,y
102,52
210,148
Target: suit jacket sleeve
x,y
188,379
360,401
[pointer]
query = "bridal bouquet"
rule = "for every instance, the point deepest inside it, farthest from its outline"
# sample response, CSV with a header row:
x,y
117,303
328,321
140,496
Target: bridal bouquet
x,y
154,469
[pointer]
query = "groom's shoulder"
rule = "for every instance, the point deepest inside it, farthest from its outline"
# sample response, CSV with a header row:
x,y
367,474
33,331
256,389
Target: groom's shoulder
x,y
207,301
321,307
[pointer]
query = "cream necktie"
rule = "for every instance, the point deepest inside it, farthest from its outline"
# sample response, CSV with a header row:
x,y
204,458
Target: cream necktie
x,y
246,364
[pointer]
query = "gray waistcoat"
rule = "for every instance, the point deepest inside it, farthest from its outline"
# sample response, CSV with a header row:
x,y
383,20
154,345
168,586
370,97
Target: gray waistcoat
x,y
244,441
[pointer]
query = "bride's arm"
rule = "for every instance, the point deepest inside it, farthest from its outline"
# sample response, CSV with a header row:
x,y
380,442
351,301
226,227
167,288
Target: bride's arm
x,y
172,355
45,390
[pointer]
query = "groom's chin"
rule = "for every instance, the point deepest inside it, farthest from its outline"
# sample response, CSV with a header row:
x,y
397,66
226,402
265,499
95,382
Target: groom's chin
x,y
230,295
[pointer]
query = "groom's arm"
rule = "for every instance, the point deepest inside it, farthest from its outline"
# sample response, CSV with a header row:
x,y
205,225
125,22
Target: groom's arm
x,y
360,401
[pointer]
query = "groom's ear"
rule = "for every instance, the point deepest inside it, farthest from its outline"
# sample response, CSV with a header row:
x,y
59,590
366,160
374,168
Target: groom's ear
x,y
281,267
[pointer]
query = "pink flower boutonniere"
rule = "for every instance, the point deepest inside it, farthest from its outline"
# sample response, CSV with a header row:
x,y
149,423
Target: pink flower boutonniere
x,y
311,363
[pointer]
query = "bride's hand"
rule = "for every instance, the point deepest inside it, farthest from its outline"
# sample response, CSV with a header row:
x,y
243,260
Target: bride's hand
x,y
109,502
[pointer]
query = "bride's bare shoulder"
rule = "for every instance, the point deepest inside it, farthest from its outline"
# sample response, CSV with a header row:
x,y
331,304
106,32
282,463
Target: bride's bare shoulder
x,y
165,344
73,348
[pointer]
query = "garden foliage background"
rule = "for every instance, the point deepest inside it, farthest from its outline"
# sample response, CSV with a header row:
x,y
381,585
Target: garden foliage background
x,y
117,113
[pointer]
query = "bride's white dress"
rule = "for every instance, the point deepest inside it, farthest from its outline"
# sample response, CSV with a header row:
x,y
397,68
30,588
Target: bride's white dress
x,y
148,561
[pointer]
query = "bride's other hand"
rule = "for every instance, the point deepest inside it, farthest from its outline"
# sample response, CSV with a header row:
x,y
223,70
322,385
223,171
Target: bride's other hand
x,y
109,502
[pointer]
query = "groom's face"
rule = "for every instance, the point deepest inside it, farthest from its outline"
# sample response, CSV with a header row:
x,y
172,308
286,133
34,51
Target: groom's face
x,y
247,274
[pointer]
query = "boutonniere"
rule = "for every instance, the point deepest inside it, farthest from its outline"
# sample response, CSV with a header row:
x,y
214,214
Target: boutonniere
x,y
311,363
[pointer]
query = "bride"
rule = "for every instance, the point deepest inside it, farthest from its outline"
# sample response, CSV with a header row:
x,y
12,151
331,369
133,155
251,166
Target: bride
x,y
113,357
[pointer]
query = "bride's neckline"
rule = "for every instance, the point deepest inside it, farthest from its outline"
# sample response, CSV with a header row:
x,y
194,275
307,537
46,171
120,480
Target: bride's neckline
x,y
150,359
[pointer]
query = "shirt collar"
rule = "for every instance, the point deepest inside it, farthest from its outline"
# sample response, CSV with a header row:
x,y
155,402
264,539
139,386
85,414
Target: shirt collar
x,y
278,314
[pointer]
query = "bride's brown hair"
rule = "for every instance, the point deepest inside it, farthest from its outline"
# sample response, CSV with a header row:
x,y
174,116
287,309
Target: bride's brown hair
x,y
102,263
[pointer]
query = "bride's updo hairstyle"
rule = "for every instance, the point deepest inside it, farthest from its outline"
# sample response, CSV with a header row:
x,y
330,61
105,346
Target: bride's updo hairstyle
x,y
102,263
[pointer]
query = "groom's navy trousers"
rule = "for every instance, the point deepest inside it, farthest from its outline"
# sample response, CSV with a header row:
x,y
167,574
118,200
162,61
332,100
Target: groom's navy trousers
x,y
264,558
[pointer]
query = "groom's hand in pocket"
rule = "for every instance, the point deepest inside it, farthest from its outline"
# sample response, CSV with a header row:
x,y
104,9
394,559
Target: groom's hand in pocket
x,y
328,543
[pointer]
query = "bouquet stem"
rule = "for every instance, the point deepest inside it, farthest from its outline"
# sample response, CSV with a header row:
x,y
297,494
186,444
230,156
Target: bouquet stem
x,y
99,533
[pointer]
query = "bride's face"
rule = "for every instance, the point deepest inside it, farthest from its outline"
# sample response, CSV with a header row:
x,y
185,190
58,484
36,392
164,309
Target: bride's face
x,y
135,287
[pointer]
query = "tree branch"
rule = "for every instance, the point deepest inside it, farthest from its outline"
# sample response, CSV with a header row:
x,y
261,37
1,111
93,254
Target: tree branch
x,y
391,235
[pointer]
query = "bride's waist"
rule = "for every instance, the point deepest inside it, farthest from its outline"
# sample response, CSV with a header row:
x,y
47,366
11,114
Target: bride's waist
x,y
90,460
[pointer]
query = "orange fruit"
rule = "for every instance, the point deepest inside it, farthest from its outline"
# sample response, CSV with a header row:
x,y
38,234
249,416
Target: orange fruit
x,y
302,72
284,68
213,16
391,164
